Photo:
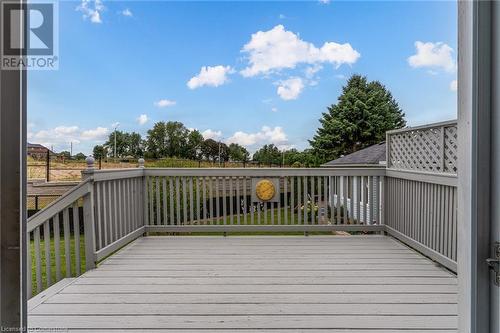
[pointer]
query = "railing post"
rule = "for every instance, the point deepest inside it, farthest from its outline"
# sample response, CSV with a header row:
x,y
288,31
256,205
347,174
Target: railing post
x,y
144,194
88,216
382,200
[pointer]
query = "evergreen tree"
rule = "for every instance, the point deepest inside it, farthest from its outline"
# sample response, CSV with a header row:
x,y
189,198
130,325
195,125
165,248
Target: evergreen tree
x,y
362,115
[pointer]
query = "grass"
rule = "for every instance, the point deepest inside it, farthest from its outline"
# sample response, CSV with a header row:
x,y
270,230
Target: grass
x,y
53,261
255,221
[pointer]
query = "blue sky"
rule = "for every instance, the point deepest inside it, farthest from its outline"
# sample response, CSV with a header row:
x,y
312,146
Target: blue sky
x,y
246,72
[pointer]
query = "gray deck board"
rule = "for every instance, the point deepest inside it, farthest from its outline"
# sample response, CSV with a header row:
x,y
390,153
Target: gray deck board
x,y
256,284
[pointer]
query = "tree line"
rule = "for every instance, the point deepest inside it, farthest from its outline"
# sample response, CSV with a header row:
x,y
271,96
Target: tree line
x,y
363,113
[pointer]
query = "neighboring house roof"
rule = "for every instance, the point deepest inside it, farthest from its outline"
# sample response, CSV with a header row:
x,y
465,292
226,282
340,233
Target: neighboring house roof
x,y
369,156
36,147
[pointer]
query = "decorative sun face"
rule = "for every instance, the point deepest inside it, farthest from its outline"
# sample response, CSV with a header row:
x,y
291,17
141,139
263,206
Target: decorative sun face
x,y
265,190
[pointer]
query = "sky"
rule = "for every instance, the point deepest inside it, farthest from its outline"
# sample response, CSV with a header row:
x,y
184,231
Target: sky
x,y
251,72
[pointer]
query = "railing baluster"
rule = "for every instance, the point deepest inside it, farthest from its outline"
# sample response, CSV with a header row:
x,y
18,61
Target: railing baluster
x,y
306,203
279,200
115,217
157,201
171,199
344,198
245,197
198,204
38,260
105,219
299,200
67,247
57,245
46,240
285,200
29,278
224,200
122,217
231,199
191,201
100,217
252,209
238,200
218,199
76,230
177,200
151,201
211,203
184,200
313,201
350,181
204,192
164,194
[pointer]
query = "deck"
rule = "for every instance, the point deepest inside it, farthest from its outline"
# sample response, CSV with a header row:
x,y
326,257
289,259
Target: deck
x,y
260,283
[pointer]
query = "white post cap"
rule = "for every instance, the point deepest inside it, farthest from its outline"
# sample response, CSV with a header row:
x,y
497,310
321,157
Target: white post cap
x,y
141,163
90,162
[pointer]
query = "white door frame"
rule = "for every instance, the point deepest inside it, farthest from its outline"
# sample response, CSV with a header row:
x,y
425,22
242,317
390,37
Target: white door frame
x,y
474,172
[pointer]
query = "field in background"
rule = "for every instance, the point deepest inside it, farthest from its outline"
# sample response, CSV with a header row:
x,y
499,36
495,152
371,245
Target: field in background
x,y
70,170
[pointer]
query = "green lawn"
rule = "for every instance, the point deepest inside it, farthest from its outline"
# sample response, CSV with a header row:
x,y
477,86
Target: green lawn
x,y
53,261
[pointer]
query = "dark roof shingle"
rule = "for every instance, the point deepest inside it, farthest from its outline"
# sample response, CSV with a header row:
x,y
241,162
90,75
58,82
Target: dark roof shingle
x,y
371,155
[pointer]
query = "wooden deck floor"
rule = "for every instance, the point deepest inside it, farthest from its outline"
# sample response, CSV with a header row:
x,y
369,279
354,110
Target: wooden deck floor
x,y
284,284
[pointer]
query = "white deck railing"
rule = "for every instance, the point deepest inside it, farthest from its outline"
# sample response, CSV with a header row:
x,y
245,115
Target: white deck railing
x,y
192,200
110,208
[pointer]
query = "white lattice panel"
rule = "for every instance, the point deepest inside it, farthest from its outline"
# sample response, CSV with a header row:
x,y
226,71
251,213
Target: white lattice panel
x,y
430,149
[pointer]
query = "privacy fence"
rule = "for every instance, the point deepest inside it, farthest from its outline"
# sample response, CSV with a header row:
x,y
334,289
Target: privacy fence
x,y
110,208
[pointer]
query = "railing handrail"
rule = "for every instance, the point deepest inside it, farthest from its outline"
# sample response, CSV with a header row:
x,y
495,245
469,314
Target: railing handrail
x,y
263,172
58,205
445,123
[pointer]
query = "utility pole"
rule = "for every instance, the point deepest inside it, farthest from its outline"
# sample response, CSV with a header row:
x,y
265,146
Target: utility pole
x,y
71,149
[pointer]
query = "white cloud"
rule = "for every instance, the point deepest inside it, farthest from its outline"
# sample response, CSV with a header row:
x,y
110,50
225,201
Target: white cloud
x,y
324,2
127,12
210,134
277,49
274,109
282,16
98,133
210,76
142,119
163,103
433,55
312,70
454,85
91,9
290,89
267,134
61,136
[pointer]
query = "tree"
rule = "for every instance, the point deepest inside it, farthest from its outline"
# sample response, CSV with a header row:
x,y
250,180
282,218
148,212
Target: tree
x,y
210,150
268,154
127,144
194,142
238,153
167,139
135,145
100,151
121,144
80,156
364,112
66,155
